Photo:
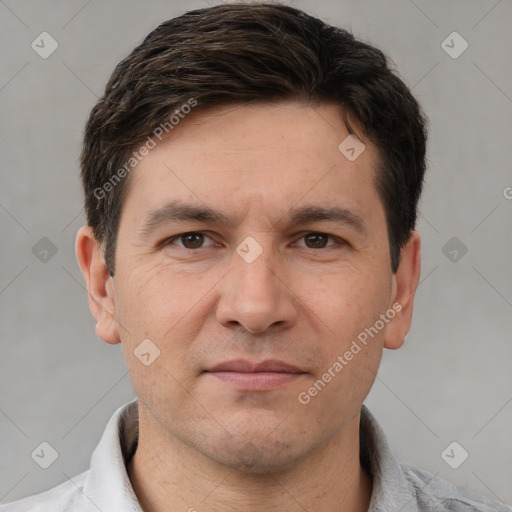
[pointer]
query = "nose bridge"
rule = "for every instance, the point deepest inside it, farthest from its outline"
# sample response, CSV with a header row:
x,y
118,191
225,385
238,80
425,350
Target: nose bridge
x,y
255,275
253,295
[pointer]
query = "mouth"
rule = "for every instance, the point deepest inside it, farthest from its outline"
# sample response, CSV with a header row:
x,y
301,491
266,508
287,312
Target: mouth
x,y
252,376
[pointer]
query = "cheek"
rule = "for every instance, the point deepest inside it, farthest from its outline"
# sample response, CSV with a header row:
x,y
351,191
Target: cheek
x,y
153,301
158,305
346,301
343,307
346,307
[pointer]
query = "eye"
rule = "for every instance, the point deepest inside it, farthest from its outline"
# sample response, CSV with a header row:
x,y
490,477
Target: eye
x,y
191,240
316,240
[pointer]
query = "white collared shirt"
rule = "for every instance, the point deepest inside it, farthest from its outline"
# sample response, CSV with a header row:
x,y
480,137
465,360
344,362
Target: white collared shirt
x,y
105,487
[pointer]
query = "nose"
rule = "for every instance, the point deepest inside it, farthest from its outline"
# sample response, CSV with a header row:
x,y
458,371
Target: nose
x,y
256,296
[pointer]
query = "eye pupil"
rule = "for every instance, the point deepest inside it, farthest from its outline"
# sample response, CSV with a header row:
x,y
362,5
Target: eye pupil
x,y
192,240
316,240
313,240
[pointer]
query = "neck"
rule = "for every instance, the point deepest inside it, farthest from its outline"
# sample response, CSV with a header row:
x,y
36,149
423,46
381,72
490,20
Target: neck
x,y
168,475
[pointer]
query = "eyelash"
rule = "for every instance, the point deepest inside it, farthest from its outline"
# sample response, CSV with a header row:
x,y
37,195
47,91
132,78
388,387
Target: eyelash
x,y
169,241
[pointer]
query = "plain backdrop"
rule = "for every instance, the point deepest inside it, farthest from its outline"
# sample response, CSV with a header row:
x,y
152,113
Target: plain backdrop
x,y
450,382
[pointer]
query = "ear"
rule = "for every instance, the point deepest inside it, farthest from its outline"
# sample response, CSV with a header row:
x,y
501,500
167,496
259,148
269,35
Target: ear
x,y
405,283
99,285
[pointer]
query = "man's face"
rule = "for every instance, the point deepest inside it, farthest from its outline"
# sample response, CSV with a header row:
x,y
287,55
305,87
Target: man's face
x,y
290,262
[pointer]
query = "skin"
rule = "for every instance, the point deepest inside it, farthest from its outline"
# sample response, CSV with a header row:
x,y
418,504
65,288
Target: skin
x,y
204,444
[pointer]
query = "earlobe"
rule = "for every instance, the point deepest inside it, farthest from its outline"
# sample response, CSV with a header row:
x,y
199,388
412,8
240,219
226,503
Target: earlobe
x,y
99,285
405,283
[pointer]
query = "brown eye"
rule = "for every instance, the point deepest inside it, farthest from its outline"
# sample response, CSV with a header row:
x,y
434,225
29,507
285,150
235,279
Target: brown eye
x,y
192,240
316,240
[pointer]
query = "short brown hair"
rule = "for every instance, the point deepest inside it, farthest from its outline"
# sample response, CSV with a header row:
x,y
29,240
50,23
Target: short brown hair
x,y
239,53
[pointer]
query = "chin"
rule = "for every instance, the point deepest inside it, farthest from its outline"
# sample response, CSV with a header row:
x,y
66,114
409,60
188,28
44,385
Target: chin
x,y
252,460
260,454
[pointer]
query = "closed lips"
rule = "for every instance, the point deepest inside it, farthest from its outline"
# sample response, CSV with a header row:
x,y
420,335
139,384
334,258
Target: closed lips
x,y
245,366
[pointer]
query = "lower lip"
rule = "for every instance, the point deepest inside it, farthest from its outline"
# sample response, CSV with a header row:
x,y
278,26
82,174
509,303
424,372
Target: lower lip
x,y
257,381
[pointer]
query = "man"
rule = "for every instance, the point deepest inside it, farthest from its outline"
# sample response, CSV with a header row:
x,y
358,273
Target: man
x,y
251,180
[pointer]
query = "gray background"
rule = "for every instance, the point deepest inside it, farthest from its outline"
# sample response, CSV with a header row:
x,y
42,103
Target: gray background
x,y
452,379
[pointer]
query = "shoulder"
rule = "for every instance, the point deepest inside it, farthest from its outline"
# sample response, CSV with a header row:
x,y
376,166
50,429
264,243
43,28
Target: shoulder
x,y
433,494
62,498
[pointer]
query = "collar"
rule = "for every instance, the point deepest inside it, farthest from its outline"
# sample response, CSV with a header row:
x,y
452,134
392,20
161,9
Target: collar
x,y
109,488
391,488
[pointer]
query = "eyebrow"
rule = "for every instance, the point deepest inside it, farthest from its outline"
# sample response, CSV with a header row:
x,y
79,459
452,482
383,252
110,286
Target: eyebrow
x,y
175,211
332,214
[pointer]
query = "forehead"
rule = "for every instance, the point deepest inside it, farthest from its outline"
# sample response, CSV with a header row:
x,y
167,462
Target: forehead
x,y
264,157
